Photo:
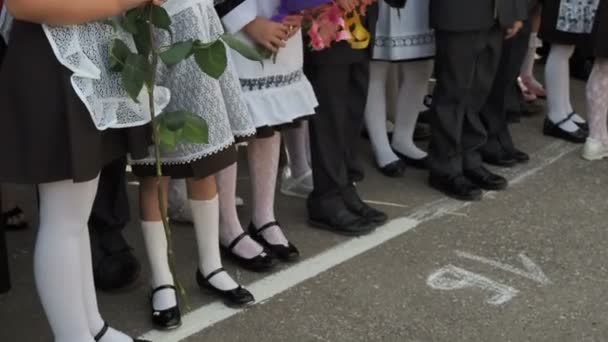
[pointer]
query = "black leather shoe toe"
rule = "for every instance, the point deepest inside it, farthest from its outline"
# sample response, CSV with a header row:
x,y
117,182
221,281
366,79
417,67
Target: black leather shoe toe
x,y
457,187
485,179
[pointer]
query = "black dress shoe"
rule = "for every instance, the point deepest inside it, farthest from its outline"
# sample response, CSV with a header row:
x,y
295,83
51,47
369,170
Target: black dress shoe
x,y
500,159
260,263
554,130
485,179
520,156
238,297
337,218
354,203
395,169
165,319
115,267
287,253
104,330
457,187
422,131
421,164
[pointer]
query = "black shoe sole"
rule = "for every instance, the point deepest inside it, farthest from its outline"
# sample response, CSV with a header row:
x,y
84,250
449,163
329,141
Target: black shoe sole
x,y
243,264
165,328
326,227
475,198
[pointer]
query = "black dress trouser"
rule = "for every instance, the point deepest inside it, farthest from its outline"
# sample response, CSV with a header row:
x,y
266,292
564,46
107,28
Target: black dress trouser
x,y
505,95
465,65
341,91
111,211
5,283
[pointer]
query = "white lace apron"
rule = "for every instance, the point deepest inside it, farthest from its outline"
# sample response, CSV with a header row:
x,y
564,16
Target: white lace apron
x,y
83,49
577,16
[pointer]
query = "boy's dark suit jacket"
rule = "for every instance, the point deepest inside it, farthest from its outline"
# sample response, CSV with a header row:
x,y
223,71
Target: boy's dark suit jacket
x,y
476,15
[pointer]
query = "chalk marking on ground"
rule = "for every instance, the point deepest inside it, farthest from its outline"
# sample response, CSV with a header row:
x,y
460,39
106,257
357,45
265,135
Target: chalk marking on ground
x,y
532,271
450,277
264,289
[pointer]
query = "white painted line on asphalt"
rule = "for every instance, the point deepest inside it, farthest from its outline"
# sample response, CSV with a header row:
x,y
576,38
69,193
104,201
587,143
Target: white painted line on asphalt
x,y
266,288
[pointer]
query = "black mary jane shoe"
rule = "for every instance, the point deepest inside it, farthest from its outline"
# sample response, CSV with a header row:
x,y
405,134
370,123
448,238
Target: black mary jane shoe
x,y
9,216
104,330
421,164
395,169
168,319
554,130
259,263
284,253
238,297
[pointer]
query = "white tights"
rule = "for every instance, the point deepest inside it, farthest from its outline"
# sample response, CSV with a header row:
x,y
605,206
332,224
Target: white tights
x,y
63,268
557,76
597,101
413,86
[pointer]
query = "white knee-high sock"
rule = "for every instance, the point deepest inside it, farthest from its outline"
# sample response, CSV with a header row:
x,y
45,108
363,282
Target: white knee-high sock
x,y
64,212
296,141
156,248
230,225
414,87
263,157
96,322
205,215
557,75
375,113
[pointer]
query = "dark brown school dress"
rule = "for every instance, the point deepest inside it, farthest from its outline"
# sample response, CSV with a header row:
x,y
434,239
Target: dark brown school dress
x,y
46,132
548,29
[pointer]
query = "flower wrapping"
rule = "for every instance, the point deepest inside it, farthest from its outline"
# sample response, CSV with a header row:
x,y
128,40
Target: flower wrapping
x,y
325,22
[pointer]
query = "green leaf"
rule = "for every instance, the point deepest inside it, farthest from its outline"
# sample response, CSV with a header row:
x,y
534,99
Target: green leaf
x,y
119,51
134,73
212,59
196,130
175,121
177,53
160,18
243,49
168,138
266,54
129,21
142,39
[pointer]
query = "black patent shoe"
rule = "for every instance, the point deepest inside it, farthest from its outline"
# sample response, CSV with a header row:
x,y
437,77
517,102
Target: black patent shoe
x,y
165,319
422,163
457,187
104,330
259,263
287,253
234,298
485,179
354,203
395,169
554,130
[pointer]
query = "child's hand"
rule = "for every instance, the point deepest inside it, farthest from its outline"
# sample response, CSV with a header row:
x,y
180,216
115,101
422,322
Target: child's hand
x,y
268,33
140,3
347,5
514,29
293,23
